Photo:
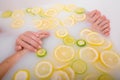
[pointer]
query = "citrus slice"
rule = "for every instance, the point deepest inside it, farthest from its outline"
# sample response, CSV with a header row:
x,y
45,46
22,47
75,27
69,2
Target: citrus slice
x,y
95,39
110,58
81,43
90,77
17,23
51,12
105,77
64,53
101,67
79,66
70,73
70,7
107,45
69,40
80,10
22,75
43,69
6,14
88,54
41,52
80,17
69,21
61,33
18,14
36,10
84,33
60,75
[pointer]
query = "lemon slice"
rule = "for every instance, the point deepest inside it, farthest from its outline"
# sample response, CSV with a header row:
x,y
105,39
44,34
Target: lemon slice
x,y
6,14
110,59
60,75
64,53
95,39
101,67
36,10
79,17
107,45
69,21
105,77
17,23
80,10
18,14
43,69
51,12
61,33
70,7
90,77
88,54
70,73
69,40
22,75
79,66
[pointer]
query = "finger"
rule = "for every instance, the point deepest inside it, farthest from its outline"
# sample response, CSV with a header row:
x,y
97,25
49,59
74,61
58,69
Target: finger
x,y
104,23
104,27
107,33
27,46
30,41
106,30
99,20
18,48
91,14
96,17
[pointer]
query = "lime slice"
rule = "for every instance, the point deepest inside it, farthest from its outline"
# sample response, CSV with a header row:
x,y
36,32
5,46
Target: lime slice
x,y
110,58
6,14
22,75
88,54
61,33
43,69
69,40
79,66
64,53
41,52
80,10
105,77
81,43
60,75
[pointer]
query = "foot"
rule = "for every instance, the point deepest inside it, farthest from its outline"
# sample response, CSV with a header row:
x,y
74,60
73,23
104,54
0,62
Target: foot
x,y
99,23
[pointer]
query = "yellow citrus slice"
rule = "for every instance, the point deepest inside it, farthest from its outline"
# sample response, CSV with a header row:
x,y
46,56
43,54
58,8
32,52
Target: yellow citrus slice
x,y
95,39
51,12
70,73
18,14
17,23
22,75
69,21
64,53
69,40
36,10
110,58
88,54
80,17
84,33
105,77
43,69
90,77
61,33
101,67
79,66
70,7
107,45
6,14
60,75
79,10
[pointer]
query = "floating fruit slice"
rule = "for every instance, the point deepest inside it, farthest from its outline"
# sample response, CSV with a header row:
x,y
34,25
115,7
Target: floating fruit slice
x,y
69,40
60,75
80,10
70,7
36,10
79,17
84,33
70,21
95,39
110,58
22,75
17,23
28,10
64,53
88,54
79,66
18,14
41,52
51,12
70,73
105,77
61,33
81,43
6,14
98,65
90,77
107,45
43,69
